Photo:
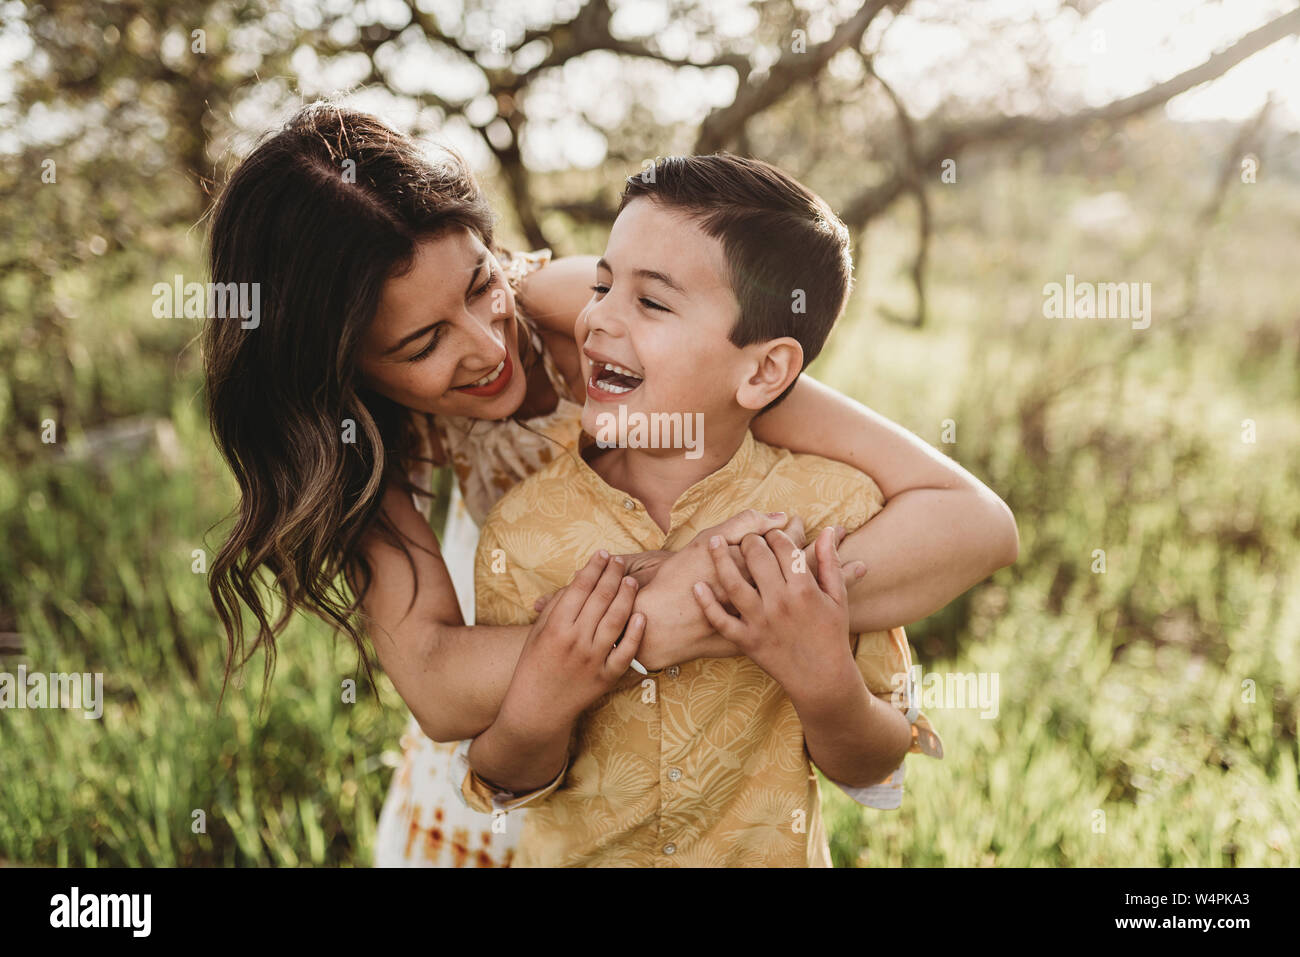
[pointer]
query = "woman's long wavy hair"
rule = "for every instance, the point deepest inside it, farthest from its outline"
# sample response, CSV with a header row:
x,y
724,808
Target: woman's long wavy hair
x,y
320,215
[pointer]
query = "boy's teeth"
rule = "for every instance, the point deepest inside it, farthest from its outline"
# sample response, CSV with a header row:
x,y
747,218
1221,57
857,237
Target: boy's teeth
x,y
490,377
620,370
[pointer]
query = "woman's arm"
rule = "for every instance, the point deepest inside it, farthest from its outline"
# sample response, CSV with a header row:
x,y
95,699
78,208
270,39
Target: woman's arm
x,y
452,677
941,530
556,293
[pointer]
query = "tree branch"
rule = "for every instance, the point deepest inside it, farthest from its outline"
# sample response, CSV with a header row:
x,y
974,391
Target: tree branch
x,y
916,186
947,143
724,124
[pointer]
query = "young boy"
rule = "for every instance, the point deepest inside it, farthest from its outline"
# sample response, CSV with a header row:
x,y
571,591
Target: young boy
x,y
721,281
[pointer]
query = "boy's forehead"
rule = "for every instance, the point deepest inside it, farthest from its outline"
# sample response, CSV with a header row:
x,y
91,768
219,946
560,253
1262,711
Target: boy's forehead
x,y
648,235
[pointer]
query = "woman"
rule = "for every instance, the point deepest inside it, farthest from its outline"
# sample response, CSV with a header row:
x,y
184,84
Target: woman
x,y
394,336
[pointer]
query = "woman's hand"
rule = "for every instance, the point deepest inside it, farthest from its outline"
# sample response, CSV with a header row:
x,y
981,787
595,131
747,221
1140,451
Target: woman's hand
x,y
574,654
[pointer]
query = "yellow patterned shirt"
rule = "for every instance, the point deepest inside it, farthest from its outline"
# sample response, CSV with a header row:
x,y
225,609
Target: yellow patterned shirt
x,y
705,764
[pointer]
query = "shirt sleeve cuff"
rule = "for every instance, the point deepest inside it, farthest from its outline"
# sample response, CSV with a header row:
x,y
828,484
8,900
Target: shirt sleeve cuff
x,y
885,796
479,795
888,794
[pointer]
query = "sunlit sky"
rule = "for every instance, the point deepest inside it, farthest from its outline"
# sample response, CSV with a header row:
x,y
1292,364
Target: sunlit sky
x,y
935,51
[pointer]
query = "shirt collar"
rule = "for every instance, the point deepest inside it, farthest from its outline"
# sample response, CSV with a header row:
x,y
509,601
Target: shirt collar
x,y
736,468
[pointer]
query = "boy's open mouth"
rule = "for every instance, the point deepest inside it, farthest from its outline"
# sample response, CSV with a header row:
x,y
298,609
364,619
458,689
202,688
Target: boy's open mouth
x,y
613,379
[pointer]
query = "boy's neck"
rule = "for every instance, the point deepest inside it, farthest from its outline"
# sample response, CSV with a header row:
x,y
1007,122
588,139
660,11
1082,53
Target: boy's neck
x,y
659,477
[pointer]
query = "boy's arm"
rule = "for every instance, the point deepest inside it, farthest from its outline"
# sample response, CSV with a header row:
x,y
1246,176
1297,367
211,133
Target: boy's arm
x,y
856,739
883,663
522,753
484,783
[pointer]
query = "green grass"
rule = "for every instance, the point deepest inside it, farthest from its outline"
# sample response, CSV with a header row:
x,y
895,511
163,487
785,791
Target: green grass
x,y
1125,735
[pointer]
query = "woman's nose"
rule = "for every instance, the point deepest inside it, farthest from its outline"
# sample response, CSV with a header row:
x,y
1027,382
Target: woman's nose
x,y
485,339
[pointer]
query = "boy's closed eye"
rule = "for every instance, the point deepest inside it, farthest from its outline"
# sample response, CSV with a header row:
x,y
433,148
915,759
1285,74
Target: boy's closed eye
x,y
601,289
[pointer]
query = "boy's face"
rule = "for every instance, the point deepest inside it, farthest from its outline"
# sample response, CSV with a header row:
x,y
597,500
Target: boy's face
x,y
662,310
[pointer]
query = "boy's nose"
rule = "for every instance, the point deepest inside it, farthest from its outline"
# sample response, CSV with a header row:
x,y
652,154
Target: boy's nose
x,y
603,317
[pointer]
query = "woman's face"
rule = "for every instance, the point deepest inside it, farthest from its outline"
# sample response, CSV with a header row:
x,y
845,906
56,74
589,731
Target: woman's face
x,y
444,338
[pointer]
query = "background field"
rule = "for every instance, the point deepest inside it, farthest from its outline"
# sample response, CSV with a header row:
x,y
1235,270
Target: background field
x,y
1148,714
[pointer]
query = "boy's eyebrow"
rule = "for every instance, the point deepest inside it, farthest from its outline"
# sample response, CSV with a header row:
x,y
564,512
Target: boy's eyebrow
x,y
478,267
647,274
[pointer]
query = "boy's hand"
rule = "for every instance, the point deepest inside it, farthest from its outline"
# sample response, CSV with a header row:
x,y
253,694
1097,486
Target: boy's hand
x,y
793,622
569,659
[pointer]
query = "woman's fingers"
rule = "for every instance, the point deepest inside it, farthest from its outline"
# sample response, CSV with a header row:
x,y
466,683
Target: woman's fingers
x,y
795,530
742,597
748,522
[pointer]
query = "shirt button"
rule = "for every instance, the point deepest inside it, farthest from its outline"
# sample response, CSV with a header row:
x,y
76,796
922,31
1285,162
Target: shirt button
x,y
629,504
673,671
674,774
670,848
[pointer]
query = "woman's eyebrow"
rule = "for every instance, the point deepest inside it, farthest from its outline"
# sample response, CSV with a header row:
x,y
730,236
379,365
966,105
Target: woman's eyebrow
x,y
647,274
473,278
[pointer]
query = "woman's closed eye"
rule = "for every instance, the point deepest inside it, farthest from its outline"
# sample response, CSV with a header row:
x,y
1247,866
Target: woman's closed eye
x,y
476,293
428,350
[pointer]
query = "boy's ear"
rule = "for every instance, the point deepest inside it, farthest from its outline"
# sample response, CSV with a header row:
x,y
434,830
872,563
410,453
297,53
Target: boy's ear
x,y
774,364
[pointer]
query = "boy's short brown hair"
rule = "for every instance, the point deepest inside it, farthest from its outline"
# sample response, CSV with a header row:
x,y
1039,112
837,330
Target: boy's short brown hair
x,y
788,253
